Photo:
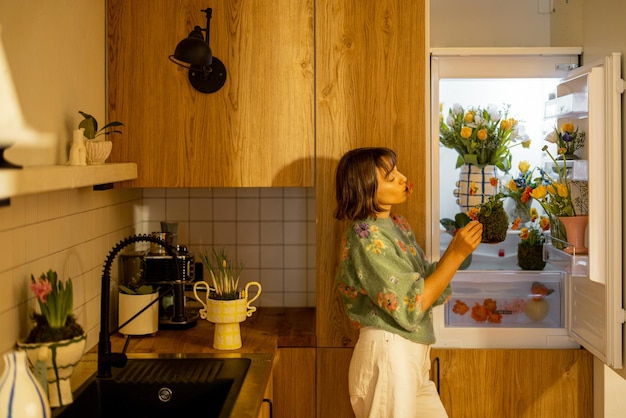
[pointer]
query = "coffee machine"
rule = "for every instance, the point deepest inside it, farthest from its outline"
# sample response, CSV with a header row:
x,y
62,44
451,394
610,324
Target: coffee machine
x,y
157,268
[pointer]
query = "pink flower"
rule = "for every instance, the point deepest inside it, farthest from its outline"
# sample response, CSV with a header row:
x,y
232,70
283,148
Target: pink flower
x,y
41,288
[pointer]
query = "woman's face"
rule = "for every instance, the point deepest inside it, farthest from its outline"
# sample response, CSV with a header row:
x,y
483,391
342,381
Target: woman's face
x,y
392,189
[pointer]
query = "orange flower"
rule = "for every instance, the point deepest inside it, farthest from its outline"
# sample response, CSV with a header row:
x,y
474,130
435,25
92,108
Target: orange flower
x,y
473,213
481,134
493,181
533,214
544,223
526,195
469,117
516,223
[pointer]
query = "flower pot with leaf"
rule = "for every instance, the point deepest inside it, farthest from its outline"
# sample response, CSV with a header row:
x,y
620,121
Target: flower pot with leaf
x,y
225,304
133,298
530,247
493,217
452,226
97,145
555,196
57,342
483,139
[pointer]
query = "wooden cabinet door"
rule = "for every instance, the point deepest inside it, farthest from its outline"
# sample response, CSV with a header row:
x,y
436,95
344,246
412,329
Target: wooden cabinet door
x,y
514,383
370,91
294,383
256,131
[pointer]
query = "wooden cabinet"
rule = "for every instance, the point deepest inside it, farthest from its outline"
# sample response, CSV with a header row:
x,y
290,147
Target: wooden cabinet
x,y
266,410
294,383
256,131
514,383
370,71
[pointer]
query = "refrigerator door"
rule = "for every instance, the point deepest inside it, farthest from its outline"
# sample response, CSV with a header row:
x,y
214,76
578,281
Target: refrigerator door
x,y
596,313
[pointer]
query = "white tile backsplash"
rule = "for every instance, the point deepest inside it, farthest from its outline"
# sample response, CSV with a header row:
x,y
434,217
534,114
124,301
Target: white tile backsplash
x,y
270,230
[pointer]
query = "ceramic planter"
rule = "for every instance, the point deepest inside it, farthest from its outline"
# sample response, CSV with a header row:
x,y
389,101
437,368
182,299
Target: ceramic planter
x,y
145,324
226,315
60,358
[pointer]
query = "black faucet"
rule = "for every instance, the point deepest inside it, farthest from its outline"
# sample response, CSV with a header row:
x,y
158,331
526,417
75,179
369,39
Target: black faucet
x,y
107,359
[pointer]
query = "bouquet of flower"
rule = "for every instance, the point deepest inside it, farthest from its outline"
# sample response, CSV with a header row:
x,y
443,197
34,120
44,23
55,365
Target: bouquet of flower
x,y
533,234
555,196
56,321
520,188
568,139
481,136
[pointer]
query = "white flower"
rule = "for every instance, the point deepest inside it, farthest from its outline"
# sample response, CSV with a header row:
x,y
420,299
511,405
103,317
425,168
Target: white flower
x,y
478,121
450,121
552,137
457,109
494,114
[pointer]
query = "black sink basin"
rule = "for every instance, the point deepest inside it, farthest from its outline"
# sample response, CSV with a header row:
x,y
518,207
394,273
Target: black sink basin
x,y
162,387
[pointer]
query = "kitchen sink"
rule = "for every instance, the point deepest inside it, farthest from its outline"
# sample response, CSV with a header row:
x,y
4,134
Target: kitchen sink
x,y
162,387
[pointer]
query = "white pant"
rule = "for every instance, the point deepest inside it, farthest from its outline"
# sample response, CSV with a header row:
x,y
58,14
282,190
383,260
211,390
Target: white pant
x,y
389,378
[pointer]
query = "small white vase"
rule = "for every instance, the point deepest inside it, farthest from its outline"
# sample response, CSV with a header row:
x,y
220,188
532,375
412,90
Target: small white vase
x,y
145,324
60,357
78,150
21,395
98,151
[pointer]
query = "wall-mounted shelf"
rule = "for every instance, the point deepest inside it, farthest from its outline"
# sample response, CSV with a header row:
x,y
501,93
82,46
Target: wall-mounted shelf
x,y
16,182
577,170
575,265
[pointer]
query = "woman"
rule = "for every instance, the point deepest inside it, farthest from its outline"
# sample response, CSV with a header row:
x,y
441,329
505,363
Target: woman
x,y
388,288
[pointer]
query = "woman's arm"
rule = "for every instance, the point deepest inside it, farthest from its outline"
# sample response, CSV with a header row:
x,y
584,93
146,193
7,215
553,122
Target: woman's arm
x,y
463,244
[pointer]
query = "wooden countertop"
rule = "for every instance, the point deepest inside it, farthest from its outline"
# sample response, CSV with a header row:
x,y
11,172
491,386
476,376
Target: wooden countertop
x,y
262,334
265,331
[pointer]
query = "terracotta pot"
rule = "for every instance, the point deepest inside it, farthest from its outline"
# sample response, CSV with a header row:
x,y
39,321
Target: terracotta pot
x,y
575,227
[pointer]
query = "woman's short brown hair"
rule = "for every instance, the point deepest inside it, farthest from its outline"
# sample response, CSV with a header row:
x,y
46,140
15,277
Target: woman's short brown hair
x,y
356,182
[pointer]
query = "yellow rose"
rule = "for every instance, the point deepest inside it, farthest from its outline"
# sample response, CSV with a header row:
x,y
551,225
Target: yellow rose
x,y
524,166
562,189
469,117
505,125
482,134
567,127
466,132
539,192
524,233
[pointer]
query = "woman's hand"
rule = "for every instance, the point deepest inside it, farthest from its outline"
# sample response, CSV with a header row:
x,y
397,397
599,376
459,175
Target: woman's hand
x,y
466,239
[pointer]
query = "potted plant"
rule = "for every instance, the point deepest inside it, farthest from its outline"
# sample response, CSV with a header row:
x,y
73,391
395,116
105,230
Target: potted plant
x,y
493,217
133,297
530,247
98,148
57,341
225,304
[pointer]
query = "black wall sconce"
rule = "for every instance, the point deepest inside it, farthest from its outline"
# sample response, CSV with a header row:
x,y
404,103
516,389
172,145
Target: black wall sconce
x,y
206,73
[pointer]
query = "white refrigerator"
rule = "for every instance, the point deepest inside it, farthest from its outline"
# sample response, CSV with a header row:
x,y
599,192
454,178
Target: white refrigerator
x,y
586,305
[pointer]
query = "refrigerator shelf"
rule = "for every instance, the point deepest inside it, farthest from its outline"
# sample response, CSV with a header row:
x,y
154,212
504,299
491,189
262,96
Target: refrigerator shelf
x,y
575,265
573,105
577,170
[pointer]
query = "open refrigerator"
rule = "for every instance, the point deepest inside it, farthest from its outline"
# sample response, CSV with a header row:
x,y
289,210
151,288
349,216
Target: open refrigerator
x,y
585,304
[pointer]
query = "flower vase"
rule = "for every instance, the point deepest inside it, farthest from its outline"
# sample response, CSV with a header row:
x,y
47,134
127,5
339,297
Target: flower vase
x,y
21,395
474,186
575,227
530,257
98,150
519,210
60,358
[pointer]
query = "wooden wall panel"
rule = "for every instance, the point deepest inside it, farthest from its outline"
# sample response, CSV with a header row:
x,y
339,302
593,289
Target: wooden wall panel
x,y
370,77
256,131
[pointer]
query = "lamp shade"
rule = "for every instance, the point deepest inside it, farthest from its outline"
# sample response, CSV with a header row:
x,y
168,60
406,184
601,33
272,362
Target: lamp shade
x,y
193,49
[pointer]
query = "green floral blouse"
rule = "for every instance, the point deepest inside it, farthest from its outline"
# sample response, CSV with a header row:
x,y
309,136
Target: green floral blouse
x,y
381,278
